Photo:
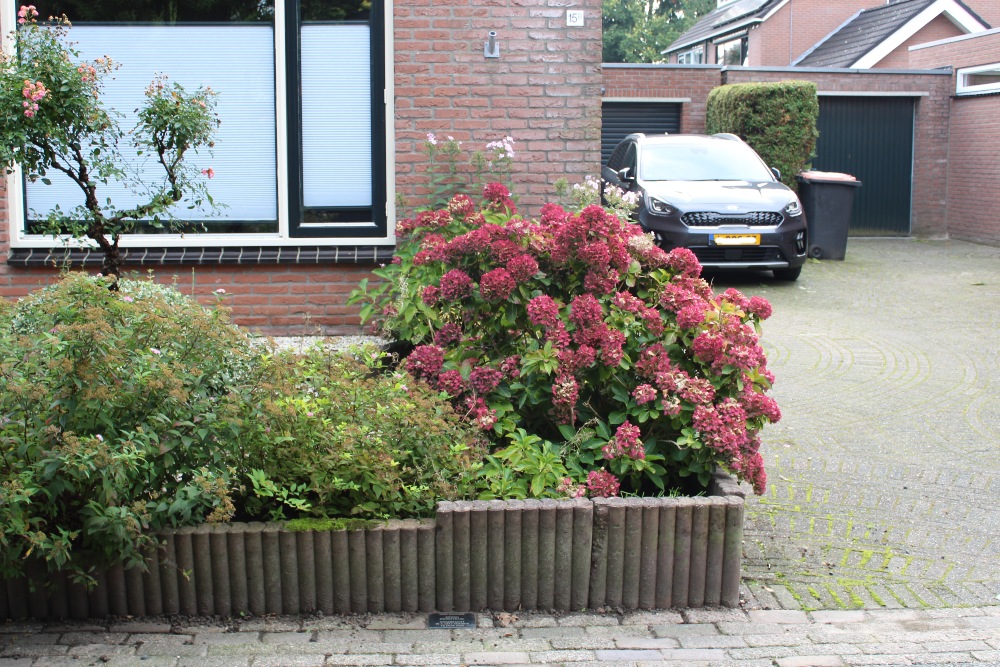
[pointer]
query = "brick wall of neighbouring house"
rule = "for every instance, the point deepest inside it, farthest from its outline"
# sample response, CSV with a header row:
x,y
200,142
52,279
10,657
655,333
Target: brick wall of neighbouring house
x,y
973,209
939,28
692,82
931,127
795,27
544,91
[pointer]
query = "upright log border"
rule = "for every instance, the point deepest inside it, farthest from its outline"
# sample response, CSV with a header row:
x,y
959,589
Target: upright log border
x,y
558,555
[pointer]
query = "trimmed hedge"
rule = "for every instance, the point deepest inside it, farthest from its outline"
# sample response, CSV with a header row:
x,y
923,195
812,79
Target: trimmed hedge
x,y
777,119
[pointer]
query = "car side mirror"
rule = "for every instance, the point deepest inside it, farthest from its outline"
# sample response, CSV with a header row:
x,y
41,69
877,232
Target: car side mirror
x,y
625,175
777,174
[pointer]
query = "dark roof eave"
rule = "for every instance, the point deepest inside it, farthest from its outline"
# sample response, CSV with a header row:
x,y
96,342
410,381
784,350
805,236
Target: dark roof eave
x,y
712,35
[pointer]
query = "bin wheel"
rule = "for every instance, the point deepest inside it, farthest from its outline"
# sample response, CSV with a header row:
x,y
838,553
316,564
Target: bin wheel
x,y
788,274
816,252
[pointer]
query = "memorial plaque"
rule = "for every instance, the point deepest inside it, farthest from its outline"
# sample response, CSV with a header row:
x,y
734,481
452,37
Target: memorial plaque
x,y
451,620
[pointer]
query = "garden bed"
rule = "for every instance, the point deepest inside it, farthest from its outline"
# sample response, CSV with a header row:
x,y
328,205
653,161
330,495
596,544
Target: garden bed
x,y
631,553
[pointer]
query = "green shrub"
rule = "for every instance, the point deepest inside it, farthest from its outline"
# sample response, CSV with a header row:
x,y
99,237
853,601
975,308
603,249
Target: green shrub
x,y
591,357
344,439
777,119
118,419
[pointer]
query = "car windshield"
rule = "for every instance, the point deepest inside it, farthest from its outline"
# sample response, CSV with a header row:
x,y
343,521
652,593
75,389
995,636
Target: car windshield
x,y
722,160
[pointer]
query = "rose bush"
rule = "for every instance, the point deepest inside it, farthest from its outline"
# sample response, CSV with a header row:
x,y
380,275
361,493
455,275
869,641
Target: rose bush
x,y
597,362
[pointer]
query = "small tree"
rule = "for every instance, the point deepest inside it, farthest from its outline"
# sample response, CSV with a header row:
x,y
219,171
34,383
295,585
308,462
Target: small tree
x,y
52,119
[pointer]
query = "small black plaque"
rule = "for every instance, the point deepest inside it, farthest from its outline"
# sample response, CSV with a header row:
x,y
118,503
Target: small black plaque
x,y
450,621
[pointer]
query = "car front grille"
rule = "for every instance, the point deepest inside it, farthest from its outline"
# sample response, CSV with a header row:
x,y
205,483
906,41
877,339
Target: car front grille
x,y
715,255
753,219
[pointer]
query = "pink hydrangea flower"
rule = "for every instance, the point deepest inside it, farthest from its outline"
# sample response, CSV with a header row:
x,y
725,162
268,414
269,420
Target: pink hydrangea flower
x,y
602,484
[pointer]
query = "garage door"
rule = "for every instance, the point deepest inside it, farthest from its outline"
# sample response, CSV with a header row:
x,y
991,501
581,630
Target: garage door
x,y
621,119
871,138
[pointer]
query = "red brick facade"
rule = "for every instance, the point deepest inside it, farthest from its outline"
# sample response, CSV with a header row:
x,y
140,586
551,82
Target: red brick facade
x,y
544,91
795,28
939,28
973,210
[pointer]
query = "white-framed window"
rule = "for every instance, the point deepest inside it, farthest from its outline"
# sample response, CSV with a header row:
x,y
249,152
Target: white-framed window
x,y
304,154
978,80
731,52
695,56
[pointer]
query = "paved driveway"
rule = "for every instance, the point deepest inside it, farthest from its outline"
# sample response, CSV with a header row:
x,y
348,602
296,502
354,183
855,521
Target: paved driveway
x,y
884,473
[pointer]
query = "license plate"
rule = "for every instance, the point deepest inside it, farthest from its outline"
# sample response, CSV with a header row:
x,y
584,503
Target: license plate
x,y
736,239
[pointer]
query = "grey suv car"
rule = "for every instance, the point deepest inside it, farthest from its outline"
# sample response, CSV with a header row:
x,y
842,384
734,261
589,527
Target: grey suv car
x,y
714,195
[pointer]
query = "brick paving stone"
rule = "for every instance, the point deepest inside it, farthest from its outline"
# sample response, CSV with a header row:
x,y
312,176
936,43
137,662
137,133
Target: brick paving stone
x,y
448,647
140,627
176,650
619,631
71,626
518,644
80,638
286,637
436,659
772,652
710,654
628,654
557,657
16,662
354,634
587,620
404,622
727,628
96,650
882,659
553,633
270,625
955,646
810,661
329,624
885,647
708,641
785,639
227,638
160,638
652,618
32,640
851,616
586,643
496,658
777,616
646,642
20,627
991,656
369,659
713,615
536,621
33,650
894,615
214,661
941,658
685,630
290,661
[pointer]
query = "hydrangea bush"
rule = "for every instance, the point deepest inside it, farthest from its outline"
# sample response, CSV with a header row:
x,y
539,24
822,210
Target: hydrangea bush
x,y
598,363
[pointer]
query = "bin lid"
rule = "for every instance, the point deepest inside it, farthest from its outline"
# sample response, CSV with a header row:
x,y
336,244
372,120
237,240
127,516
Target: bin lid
x,y
828,177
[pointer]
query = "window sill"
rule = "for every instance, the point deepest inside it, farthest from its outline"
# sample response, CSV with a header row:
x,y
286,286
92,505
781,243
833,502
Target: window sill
x,y
57,257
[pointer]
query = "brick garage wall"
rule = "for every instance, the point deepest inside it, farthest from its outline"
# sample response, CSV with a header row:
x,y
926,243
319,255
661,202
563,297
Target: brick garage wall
x,y
930,160
544,91
973,167
692,82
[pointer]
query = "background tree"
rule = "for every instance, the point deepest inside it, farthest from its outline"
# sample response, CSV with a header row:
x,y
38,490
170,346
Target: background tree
x,y
52,120
636,31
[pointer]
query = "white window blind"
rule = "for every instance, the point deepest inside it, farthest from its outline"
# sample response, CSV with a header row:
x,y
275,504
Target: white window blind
x,y
336,115
237,61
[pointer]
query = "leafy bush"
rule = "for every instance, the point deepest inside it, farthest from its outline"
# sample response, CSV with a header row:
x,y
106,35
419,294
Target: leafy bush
x,y
593,359
124,412
777,119
117,420
347,440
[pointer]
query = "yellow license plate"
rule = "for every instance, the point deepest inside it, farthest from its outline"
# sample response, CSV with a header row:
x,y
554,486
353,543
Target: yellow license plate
x,y
736,239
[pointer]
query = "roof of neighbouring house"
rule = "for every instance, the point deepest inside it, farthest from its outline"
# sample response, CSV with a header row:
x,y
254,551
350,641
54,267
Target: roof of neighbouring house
x,y
722,20
868,29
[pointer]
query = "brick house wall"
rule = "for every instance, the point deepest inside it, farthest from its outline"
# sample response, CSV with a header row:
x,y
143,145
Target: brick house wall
x,y
544,91
795,28
939,28
973,210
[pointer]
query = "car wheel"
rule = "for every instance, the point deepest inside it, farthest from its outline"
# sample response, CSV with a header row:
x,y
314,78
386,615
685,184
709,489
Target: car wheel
x,y
788,274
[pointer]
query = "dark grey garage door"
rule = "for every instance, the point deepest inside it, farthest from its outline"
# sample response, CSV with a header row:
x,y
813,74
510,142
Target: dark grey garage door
x,y
871,138
621,119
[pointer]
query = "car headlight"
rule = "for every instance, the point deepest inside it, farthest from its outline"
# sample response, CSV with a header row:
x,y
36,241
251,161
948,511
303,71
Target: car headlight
x,y
660,206
793,208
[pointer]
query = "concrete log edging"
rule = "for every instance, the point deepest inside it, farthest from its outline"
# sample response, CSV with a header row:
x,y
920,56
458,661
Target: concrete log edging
x,y
565,555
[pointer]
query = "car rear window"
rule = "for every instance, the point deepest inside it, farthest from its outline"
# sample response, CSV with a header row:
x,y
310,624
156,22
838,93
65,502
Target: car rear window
x,y
721,160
